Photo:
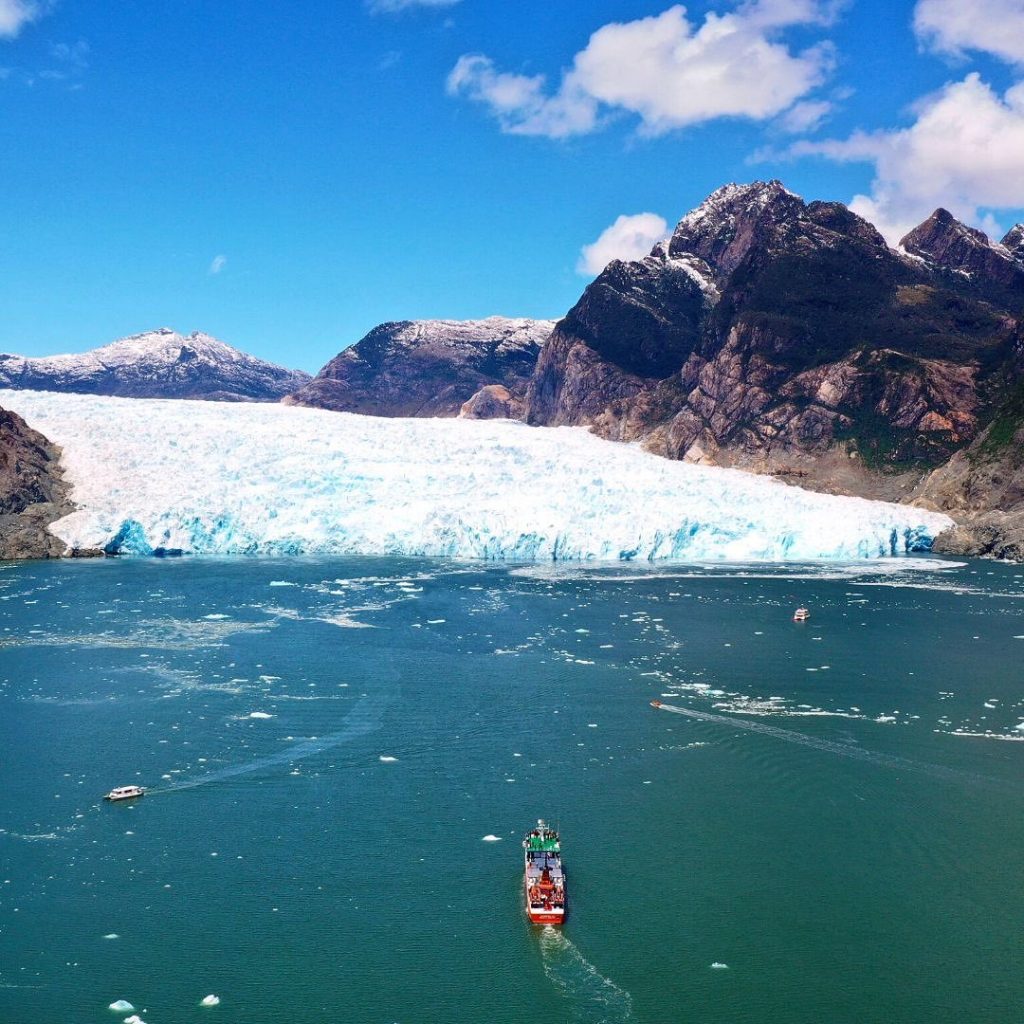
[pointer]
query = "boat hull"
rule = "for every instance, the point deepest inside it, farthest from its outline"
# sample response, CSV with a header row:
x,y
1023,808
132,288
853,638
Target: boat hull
x,y
537,917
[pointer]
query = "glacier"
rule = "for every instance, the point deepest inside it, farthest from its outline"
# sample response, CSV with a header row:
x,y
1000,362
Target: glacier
x,y
156,476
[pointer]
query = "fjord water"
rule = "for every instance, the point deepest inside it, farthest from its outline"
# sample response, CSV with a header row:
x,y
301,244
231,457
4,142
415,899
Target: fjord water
x,y
328,742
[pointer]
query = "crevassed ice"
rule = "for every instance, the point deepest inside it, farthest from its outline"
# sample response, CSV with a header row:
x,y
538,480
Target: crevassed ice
x,y
153,475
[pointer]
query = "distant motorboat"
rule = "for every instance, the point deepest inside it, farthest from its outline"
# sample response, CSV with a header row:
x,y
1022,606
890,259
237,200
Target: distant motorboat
x,y
125,793
801,615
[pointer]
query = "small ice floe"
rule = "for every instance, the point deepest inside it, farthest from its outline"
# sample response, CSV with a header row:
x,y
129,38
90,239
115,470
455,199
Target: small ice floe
x,y
216,616
134,1019
260,714
387,759
491,839
210,1001
591,725
112,935
886,718
280,583
434,622
121,1006
718,966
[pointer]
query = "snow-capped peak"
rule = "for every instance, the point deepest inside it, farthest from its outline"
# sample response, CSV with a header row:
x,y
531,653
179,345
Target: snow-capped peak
x,y
159,364
730,200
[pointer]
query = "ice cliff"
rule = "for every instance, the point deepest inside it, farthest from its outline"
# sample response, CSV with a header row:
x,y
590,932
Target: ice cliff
x,y
151,476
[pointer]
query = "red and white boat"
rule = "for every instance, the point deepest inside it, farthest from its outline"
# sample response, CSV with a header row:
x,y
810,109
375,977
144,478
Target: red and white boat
x,y
543,876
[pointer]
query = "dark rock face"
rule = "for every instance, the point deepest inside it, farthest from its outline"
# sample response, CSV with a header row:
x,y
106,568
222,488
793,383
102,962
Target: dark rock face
x,y
786,337
1013,242
948,245
32,491
427,367
157,364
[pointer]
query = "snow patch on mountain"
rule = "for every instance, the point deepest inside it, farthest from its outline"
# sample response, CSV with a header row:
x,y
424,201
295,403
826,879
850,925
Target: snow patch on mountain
x,y
155,364
208,478
512,333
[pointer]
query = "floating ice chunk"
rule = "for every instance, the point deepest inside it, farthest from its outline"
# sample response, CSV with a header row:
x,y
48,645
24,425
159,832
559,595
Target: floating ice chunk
x,y
280,583
216,616
134,1019
886,718
717,966
492,839
260,714
112,935
210,1001
434,622
121,1006
387,759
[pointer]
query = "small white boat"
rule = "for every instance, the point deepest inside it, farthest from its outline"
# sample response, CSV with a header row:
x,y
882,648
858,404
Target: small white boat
x,y
125,793
801,615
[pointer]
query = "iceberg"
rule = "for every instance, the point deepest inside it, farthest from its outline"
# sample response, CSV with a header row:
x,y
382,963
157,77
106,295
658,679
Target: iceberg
x,y
157,477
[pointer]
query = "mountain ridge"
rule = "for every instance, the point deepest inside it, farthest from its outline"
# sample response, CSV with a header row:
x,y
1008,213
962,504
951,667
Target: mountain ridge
x,y
155,364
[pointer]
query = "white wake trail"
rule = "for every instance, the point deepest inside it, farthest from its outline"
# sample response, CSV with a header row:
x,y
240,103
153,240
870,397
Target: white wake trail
x,y
829,746
364,718
593,998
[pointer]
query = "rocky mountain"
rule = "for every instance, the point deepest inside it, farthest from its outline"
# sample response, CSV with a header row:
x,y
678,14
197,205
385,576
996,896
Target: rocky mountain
x,y
432,368
32,491
156,364
787,337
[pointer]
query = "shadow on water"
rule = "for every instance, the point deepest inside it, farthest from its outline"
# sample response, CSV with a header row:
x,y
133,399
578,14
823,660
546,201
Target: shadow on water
x,y
593,998
363,719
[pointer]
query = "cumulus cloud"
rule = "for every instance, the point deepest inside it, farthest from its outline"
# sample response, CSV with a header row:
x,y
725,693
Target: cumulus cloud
x,y
218,263
631,237
666,69
964,151
16,14
988,26
393,6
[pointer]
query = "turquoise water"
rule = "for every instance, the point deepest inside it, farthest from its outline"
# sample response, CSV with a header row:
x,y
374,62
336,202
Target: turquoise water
x,y
836,814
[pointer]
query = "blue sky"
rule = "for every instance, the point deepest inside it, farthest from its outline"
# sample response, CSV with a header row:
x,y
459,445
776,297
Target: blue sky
x,y
286,176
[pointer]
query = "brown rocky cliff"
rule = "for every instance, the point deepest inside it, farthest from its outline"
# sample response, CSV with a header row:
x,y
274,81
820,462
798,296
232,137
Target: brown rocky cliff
x,y
32,491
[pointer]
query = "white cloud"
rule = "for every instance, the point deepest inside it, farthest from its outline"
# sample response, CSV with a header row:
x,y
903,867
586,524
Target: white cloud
x,y
666,69
990,26
631,237
218,263
964,151
16,14
393,6
806,116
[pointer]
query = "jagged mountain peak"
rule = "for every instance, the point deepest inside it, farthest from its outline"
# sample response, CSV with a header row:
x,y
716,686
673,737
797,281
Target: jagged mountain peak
x,y
949,244
723,228
734,199
940,231
1013,241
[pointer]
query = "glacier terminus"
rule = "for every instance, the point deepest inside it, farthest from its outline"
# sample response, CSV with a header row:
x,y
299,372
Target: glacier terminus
x,y
152,476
